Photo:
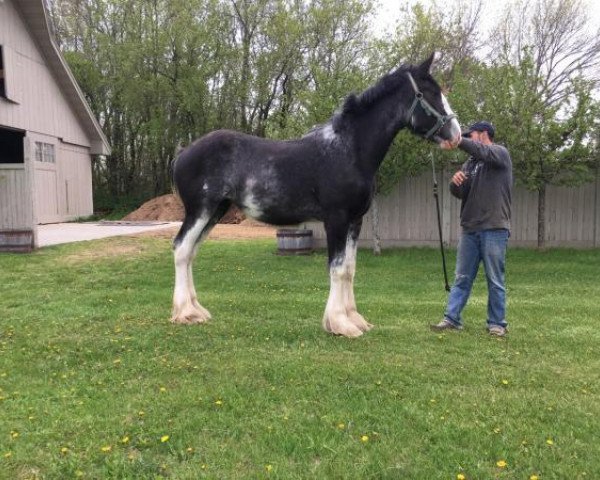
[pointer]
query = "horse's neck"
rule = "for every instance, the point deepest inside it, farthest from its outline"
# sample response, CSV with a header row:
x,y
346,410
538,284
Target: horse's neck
x,y
376,131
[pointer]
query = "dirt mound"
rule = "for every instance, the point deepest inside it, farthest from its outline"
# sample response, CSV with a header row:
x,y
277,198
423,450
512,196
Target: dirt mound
x,y
169,208
164,208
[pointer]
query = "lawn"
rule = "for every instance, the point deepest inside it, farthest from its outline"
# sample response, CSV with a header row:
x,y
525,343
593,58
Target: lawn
x,y
96,383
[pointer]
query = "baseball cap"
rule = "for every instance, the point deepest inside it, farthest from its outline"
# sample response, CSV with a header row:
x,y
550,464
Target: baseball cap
x,y
481,126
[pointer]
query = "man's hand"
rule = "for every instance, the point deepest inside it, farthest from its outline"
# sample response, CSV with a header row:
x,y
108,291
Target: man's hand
x,y
451,144
459,178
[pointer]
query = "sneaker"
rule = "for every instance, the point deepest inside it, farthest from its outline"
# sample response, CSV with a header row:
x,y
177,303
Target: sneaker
x,y
445,324
497,331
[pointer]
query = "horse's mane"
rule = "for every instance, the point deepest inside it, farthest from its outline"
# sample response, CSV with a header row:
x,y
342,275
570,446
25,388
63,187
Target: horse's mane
x,y
356,104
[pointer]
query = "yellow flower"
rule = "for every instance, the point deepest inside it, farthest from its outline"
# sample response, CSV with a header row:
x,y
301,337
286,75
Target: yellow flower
x,y
218,403
125,439
190,450
534,477
504,382
460,476
364,438
141,413
8,455
64,450
164,438
501,463
550,441
268,468
163,389
106,448
14,434
341,426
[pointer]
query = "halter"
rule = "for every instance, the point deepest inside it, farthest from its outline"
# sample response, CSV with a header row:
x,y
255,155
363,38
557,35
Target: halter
x,y
429,110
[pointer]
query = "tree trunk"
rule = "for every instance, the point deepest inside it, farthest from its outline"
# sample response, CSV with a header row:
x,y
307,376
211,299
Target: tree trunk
x,y
375,218
541,240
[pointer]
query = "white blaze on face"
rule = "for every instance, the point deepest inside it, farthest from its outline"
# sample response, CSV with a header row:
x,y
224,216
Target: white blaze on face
x,y
454,125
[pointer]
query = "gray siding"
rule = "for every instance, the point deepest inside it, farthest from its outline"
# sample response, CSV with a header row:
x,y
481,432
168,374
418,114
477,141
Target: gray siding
x,y
38,103
407,216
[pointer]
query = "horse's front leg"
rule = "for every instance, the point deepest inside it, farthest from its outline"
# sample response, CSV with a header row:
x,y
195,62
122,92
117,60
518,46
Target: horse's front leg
x,y
336,319
351,246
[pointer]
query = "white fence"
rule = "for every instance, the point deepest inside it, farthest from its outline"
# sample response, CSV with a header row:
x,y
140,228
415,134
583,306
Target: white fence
x,y
407,216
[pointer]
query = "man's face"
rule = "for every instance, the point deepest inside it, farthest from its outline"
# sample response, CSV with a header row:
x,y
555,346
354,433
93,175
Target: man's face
x,y
478,136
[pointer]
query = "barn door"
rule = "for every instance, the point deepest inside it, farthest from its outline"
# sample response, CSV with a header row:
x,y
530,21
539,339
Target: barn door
x,y
46,182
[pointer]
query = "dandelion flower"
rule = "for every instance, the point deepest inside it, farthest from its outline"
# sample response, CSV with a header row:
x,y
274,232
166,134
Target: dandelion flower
x,y
64,450
268,468
364,438
218,403
106,448
501,464
504,382
534,477
189,450
550,441
14,434
125,439
163,389
8,455
164,438
460,476
341,426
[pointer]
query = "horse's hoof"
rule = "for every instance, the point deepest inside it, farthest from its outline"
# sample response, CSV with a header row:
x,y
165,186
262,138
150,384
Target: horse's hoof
x,y
191,317
341,325
359,321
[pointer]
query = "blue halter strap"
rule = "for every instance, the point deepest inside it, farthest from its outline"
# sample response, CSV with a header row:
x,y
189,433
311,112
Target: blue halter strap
x,y
428,109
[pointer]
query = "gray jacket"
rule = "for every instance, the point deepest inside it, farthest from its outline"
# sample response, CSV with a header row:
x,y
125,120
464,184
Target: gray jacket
x,y
486,193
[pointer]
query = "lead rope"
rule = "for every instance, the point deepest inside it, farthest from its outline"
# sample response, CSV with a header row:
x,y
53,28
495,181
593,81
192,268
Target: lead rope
x,y
439,220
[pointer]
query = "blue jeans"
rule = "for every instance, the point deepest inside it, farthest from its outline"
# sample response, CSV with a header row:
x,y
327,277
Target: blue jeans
x,y
489,247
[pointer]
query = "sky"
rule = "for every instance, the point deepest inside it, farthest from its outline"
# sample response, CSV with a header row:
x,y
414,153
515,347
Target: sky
x,y
388,11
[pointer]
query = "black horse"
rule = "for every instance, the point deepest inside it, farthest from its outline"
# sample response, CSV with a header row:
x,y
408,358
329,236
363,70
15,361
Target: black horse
x,y
327,175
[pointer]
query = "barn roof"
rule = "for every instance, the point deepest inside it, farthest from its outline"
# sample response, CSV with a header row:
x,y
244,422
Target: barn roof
x,y
35,16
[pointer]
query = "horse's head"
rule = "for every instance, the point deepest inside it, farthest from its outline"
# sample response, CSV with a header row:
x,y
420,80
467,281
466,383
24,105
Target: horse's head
x,y
430,115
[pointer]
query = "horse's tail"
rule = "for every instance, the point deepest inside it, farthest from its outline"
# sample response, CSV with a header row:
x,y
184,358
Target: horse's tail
x,y
180,148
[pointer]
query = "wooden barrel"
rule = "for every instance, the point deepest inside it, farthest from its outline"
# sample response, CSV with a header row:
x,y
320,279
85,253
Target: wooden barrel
x,y
16,241
294,241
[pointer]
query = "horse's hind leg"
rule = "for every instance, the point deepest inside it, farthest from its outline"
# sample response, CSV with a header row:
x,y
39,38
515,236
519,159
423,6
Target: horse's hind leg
x,y
186,308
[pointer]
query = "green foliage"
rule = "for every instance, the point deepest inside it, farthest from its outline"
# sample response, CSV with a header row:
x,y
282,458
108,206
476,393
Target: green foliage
x,y
96,383
159,74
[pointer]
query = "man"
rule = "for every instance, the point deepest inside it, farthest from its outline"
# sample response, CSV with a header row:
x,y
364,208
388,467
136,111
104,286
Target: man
x,y
484,184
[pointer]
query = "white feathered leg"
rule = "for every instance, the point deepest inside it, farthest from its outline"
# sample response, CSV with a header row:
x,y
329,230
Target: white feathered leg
x,y
186,308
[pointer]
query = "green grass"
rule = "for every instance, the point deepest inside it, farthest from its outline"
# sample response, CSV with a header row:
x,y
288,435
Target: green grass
x,y
89,360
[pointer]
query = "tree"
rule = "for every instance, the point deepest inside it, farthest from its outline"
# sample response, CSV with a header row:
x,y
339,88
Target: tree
x,y
554,62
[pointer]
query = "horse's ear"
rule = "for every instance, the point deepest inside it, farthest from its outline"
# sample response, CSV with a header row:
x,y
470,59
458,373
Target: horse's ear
x,y
428,64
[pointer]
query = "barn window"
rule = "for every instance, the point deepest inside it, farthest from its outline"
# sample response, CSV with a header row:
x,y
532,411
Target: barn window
x,y
2,84
44,152
11,146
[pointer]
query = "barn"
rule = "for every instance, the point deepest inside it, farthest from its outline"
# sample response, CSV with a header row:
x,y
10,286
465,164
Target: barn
x,y
48,133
